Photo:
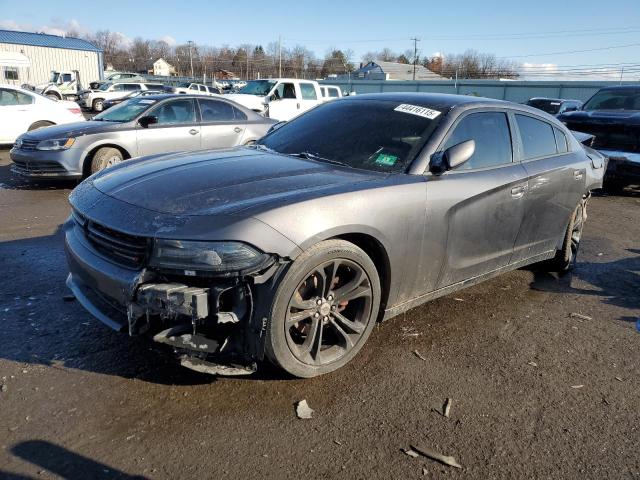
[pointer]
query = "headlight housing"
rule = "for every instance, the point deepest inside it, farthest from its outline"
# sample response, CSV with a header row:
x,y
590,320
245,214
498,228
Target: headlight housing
x,y
215,257
56,144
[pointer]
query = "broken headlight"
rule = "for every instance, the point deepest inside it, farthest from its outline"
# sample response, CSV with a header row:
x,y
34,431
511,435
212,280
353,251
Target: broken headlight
x,y
206,256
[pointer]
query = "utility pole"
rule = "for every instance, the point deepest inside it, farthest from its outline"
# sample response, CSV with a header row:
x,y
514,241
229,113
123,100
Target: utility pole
x,y
415,55
280,55
190,42
621,74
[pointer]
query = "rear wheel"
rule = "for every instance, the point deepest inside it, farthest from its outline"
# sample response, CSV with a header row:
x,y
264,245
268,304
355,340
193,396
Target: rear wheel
x,y
41,124
565,258
104,158
324,309
98,105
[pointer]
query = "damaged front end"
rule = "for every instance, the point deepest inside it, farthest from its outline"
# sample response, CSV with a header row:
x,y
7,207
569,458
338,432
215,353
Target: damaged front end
x,y
208,301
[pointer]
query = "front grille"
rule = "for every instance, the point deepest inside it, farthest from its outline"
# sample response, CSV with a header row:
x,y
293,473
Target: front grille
x,y
616,136
122,248
29,144
38,168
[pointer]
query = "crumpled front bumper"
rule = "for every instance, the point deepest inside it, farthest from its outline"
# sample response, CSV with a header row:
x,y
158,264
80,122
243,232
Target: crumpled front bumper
x,y
623,166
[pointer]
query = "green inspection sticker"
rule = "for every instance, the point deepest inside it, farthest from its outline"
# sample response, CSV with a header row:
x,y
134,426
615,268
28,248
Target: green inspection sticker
x,y
386,159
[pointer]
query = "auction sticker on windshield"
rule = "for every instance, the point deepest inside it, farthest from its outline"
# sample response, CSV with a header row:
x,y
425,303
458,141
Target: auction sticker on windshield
x,y
417,110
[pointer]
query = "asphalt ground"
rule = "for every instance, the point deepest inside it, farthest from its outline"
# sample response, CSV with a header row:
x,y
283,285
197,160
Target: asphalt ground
x,y
542,373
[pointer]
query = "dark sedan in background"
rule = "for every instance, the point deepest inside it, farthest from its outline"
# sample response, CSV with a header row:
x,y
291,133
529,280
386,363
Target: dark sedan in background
x,y
140,126
554,106
612,116
352,212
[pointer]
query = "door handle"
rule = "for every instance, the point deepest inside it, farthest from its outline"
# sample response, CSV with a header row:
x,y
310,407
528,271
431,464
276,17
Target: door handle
x,y
237,129
298,106
518,192
193,131
577,174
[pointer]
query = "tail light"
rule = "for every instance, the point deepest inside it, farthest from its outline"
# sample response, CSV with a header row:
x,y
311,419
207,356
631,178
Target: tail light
x,y
75,111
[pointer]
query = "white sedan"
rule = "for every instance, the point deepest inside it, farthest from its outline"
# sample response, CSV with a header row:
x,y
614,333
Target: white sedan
x,y
22,110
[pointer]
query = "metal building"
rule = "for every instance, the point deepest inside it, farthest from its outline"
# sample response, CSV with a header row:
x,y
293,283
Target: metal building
x,y
31,57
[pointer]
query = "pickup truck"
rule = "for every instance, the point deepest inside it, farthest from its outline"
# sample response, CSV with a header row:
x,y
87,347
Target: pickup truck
x,y
94,99
191,88
330,92
279,98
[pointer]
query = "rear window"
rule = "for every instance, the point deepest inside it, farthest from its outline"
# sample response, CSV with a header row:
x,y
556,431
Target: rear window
x,y
538,139
380,135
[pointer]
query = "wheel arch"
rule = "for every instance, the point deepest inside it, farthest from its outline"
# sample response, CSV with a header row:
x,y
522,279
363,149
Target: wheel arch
x,y
86,161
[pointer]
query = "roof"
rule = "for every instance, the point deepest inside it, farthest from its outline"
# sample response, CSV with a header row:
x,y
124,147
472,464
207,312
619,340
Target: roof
x,y
430,99
402,71
46,40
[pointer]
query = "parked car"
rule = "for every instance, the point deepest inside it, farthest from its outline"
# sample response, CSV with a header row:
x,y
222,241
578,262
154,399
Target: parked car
x,y
279,98
352,212
118,77
330,92
94,99
554,106
192,88
137,93
214,90
612,116
141,126
23,110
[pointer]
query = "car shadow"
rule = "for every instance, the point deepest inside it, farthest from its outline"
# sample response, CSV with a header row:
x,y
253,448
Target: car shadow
x,y
63,463
10,181
617,281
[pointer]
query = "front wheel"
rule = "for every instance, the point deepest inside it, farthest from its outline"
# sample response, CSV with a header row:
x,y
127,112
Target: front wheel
x,y
98,105
104,158
324,309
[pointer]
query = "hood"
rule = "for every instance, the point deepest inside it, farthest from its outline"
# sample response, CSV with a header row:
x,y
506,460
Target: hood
x,y
626,117
224,182
253,102
76,129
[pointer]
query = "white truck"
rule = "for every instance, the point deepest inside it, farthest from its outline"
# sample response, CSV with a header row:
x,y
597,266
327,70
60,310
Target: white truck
x,y
279,98
330,92
62,85
191,88
94,99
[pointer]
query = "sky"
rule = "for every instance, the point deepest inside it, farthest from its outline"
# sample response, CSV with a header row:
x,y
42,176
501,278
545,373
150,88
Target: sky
x,y
537,34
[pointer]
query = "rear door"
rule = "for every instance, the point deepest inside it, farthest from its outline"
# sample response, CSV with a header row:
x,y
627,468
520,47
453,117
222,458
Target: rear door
x,y
556,181
220,125
309,96
177,129
480,204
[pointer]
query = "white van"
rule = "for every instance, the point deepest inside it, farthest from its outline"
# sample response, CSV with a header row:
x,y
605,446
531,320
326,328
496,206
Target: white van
x,y
330,92
279,98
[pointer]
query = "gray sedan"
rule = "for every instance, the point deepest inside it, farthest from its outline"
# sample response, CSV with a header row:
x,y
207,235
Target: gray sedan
x,y
353,212
141,126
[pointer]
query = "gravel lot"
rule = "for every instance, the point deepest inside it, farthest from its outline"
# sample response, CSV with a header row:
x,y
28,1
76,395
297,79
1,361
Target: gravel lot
x,y
536,391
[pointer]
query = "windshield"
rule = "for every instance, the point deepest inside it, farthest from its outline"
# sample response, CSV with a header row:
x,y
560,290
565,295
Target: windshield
x,y
258,87
380,135
104,87
623,99
126,111
546,105
54,77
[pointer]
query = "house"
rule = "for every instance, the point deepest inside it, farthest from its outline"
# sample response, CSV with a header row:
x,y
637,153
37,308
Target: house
x,y
225,75
379,70
162,68
27,57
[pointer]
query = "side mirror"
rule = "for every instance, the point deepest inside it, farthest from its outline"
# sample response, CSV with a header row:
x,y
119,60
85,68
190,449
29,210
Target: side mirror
x,y
148,120
452,157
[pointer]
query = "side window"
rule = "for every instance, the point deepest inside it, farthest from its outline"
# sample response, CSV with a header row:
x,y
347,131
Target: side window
x,y
118,87
537,136
240,115
11,73
66,77
285,90
131,87
203,88
175,111
490,130
216,111
561,140
308,91
12,97
333,93
193,86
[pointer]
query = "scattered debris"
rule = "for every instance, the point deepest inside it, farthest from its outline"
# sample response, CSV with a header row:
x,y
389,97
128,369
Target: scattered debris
x,y
69,298
417,354
303,410
424,470
446,409
3,388
438,457
600,254
533,364
580,316
459,299
337,442
411,453
577,386
619,379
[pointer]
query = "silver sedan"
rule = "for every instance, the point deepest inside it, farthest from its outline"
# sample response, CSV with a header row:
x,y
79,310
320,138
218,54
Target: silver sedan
x,y
138,127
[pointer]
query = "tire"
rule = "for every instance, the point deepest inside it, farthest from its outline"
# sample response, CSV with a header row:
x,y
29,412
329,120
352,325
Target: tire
x,y
343,320
98,105
104,158
41,124
52,96
565,258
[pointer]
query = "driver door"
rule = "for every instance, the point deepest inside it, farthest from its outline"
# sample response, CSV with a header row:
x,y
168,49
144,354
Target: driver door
x,y
285,102
177,129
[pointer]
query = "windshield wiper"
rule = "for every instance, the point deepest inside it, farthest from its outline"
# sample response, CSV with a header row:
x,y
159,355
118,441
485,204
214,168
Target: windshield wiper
x,y
313,156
